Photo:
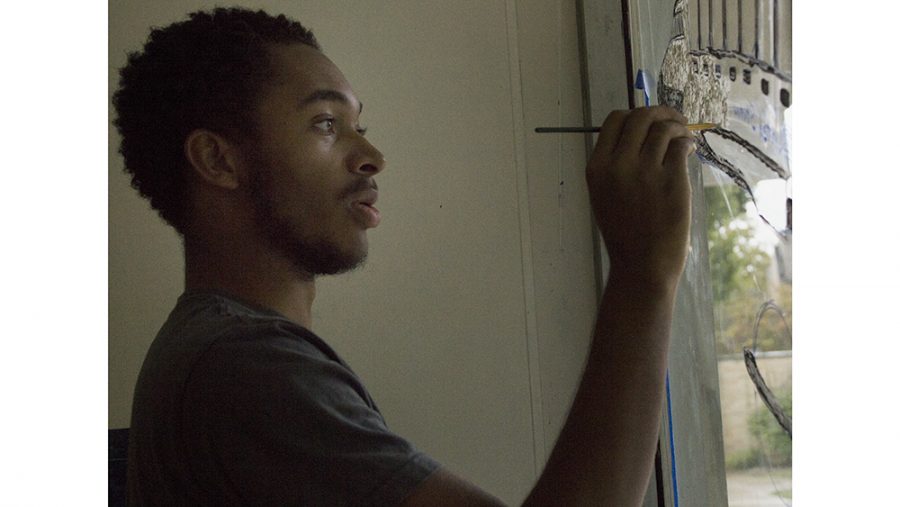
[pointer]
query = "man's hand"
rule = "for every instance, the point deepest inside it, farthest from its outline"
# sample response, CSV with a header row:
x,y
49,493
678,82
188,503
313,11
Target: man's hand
x,y
640,192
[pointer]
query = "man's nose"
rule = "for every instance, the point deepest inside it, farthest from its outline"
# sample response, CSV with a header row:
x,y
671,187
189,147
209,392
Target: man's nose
x,y
366,160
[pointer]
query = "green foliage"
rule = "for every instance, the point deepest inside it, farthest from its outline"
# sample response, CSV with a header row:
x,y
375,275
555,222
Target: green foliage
x,y
774,441
731,252
773,446
744,459
739,269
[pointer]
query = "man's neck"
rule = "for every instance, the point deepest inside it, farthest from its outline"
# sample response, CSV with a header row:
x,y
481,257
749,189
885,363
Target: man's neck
x,y
255,276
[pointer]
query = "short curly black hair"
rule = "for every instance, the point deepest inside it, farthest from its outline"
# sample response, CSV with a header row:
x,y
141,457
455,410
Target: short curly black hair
x,y
205,72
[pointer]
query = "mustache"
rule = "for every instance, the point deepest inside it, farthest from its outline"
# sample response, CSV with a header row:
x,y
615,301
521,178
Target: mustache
x,y
359,186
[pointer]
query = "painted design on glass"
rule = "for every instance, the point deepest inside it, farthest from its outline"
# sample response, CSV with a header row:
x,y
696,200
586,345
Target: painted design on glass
x,y
746,95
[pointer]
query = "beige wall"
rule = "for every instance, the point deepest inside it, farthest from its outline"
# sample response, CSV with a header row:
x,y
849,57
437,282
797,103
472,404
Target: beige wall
x,y
470,321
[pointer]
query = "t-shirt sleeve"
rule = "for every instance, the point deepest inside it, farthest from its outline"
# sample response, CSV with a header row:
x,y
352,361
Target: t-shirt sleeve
x,y
277,422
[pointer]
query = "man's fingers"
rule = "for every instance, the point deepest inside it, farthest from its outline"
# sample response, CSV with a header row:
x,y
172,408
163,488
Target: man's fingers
x,y
610,133
638,123
677,153
675,164
661,134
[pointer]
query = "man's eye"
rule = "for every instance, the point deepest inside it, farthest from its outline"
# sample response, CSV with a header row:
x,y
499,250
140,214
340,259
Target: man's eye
x,y
327,125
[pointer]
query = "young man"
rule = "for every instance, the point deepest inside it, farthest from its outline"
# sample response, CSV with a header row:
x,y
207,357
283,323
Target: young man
x,y
246,139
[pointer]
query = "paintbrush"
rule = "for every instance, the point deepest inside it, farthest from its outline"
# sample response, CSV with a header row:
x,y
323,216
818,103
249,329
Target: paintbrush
x,y
693,127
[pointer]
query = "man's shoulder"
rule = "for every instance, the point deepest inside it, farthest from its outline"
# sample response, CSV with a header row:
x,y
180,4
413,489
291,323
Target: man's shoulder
x,y
205,320
218,338
257,356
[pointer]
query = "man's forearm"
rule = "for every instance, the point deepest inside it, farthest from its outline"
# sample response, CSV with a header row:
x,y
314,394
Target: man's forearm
x,y
605,451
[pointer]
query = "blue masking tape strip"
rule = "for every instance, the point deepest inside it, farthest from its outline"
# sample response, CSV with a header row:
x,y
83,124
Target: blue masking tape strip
x,y
671,440
644,83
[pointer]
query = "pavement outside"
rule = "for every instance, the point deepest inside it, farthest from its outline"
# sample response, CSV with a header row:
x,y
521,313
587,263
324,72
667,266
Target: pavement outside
x,y
759,487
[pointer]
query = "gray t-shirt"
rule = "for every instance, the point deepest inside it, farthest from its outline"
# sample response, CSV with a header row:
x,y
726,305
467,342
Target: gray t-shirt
x,y
237,405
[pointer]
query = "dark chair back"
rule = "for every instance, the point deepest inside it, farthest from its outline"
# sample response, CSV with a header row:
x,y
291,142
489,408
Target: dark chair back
x,y
118,466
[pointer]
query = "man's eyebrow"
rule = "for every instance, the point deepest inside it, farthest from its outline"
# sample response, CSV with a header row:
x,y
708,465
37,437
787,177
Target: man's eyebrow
x,y
328,96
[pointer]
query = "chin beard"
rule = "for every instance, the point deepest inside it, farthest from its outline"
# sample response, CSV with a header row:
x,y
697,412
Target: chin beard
x,y
310,256
314,258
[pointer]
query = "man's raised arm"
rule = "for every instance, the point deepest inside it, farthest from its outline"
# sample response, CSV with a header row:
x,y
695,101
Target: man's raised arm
x,y
640,195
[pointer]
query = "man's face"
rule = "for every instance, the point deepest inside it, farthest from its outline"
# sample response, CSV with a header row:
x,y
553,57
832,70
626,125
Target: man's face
x,y
310,169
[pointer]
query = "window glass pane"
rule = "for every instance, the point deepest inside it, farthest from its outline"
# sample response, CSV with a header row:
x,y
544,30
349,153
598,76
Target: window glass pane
x,y
750,264
728,63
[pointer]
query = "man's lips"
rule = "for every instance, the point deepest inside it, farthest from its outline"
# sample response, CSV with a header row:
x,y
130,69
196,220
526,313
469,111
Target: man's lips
x,y
363,205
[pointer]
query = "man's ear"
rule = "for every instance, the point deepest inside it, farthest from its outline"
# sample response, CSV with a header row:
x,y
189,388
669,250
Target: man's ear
x,y
213,158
